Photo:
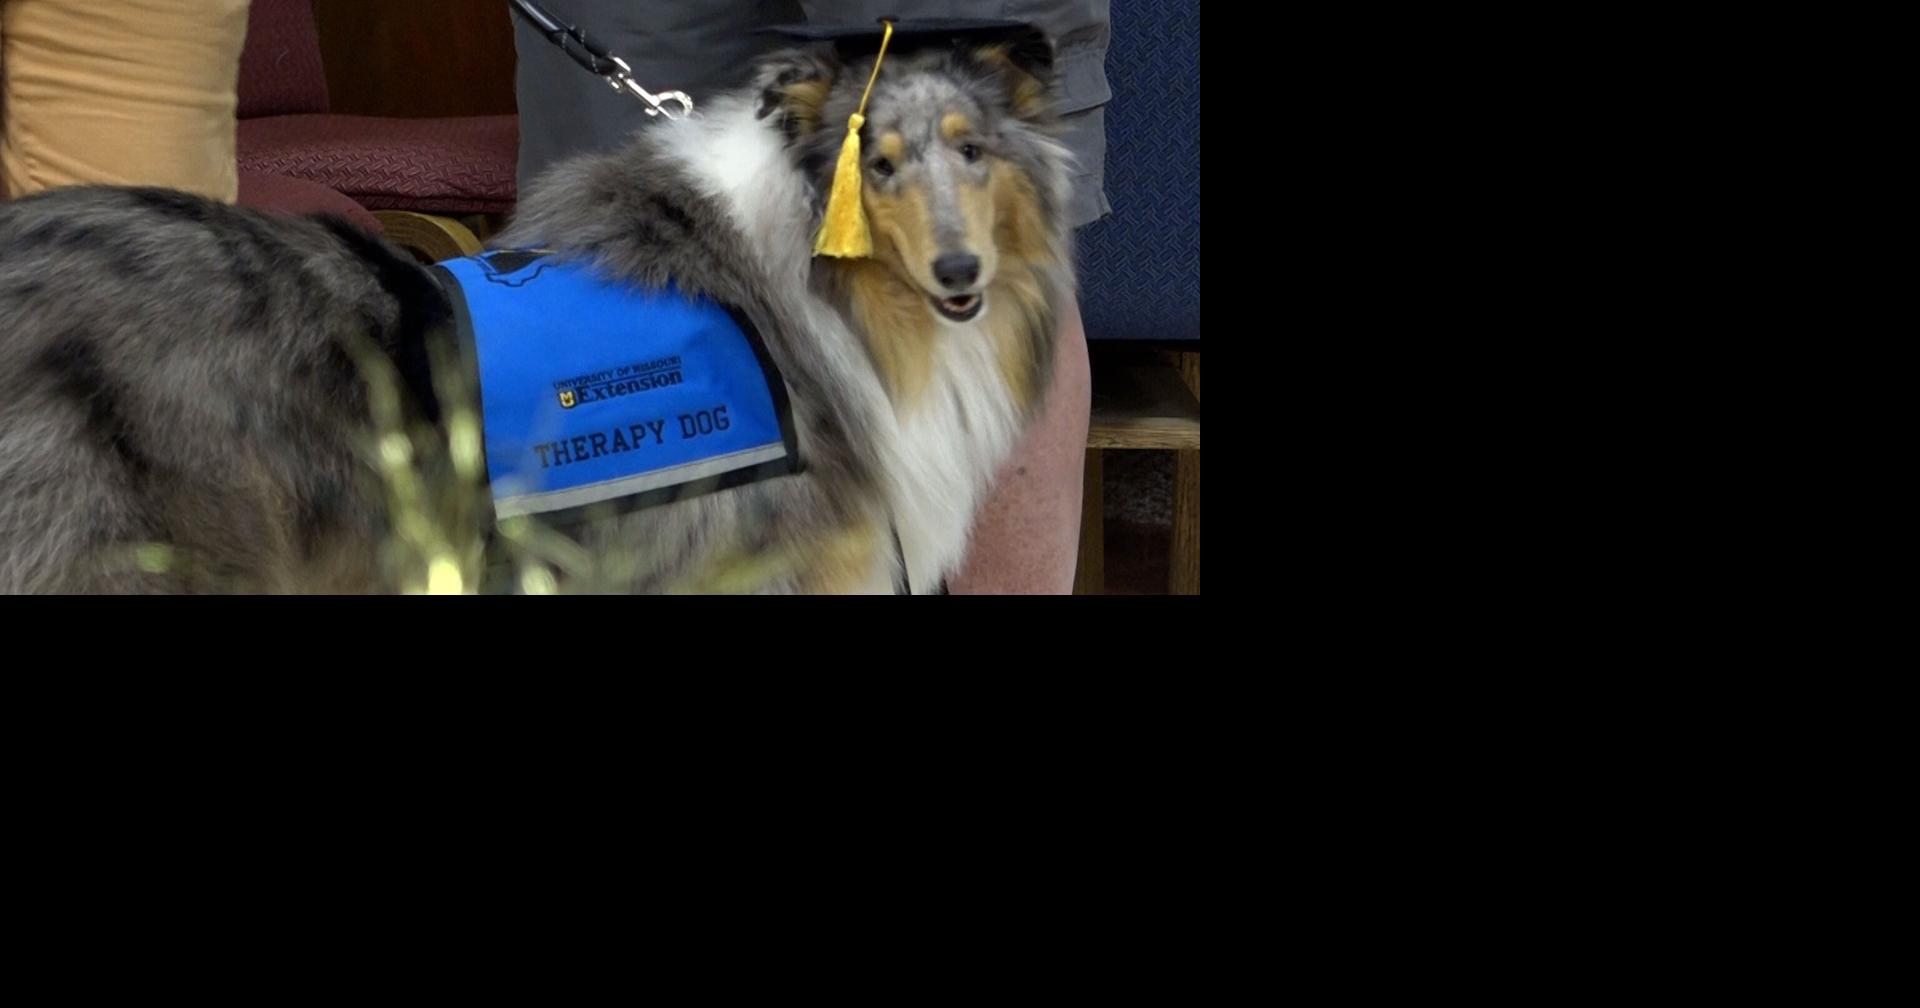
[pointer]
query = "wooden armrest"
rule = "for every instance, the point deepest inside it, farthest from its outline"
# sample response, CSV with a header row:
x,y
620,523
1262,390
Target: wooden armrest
x,y
1143,406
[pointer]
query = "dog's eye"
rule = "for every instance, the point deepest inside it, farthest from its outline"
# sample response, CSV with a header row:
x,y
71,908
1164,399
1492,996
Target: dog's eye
x,y
971,152
883,168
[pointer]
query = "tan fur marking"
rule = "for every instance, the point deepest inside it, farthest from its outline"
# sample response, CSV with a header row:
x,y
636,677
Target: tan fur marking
x,y
902,226
1017,324
1020,314
804,100
979,207
845,564
1028,96
898,326
954,125
1020,232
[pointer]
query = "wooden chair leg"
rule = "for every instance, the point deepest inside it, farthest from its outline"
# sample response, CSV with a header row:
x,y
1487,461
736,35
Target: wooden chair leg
x,y
1183,577
431,237
1090,574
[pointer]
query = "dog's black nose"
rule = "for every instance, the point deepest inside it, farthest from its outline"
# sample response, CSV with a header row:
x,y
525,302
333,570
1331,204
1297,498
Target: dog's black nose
x,y
956,270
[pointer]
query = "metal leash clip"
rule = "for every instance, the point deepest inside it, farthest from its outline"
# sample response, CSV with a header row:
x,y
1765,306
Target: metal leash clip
x,y
599,61
622,80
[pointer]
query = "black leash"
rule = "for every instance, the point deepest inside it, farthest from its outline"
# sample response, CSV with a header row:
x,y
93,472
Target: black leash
x,y
598,61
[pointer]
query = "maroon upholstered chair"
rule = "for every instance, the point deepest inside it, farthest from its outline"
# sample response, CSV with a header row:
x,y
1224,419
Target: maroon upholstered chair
x,y
414,174
282,194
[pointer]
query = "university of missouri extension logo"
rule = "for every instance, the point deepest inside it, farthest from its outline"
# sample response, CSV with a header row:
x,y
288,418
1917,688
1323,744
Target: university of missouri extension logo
x,y
621,381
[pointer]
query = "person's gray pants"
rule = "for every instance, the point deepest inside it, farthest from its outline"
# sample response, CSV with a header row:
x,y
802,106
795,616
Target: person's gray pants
x,y
704,47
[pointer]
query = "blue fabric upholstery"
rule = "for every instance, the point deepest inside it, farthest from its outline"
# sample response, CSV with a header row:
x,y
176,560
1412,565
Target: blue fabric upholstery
x,y
1140,266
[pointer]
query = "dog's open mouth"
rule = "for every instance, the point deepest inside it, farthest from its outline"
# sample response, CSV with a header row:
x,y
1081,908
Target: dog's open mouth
x,y
960,309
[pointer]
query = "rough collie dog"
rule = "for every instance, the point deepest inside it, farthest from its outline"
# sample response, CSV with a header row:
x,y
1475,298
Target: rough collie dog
x,y
188,393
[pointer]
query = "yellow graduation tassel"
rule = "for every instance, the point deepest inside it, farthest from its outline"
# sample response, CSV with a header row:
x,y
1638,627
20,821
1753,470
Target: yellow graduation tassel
x,y
844,233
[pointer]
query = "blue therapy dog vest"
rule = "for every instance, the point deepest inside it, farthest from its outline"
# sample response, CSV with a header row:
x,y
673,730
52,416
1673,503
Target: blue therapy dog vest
x,y
593,391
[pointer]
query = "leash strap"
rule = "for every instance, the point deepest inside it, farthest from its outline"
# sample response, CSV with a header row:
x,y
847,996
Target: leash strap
x,y
598,61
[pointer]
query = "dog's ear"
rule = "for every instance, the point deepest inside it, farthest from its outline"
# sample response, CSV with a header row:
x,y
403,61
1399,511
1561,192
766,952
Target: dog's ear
x,y
795,84
1023,65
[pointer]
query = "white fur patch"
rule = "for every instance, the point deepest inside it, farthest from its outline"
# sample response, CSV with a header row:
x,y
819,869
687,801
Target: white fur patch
x,y
743,162
951,444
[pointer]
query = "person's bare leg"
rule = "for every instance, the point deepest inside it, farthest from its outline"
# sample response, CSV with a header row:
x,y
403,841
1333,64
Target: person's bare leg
x,y
1027,536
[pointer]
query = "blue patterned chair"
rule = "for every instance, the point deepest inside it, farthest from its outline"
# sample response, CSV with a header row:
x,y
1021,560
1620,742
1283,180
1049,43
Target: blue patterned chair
x,y
1140,275
1140,267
